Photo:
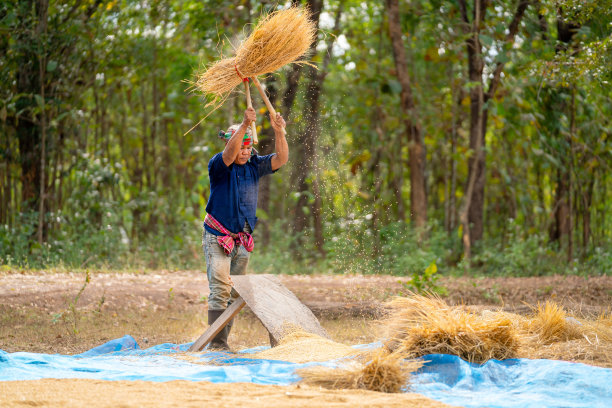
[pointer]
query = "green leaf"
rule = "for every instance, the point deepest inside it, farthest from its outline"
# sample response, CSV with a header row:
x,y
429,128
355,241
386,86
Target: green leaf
x,y
395,86
51,66
502,57
486,40
431,269
39,100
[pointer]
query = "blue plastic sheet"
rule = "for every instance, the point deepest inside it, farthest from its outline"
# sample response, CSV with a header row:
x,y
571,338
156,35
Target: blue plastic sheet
x,y
509,383
513,383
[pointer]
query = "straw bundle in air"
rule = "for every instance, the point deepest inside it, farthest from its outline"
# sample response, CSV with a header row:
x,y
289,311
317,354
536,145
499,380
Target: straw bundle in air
x,y
421,325
385,372
279,38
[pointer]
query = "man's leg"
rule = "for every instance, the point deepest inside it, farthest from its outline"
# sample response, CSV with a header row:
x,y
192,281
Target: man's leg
x,y
218,266
240,261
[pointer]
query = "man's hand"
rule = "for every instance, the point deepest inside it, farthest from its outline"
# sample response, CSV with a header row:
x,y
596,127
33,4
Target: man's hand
x,y
280,142
249,116
278,123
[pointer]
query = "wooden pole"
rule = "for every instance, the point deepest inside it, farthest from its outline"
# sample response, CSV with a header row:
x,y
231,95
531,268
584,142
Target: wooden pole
x,y
264,97
247,90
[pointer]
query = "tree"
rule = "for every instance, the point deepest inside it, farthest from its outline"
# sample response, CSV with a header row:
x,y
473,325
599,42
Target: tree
x,y
471,214
416,147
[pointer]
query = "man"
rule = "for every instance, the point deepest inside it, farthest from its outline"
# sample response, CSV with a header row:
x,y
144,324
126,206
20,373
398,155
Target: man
x,y
234,178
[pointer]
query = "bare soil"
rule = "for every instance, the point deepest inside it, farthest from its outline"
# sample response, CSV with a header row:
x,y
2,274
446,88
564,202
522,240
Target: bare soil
x,y
327,295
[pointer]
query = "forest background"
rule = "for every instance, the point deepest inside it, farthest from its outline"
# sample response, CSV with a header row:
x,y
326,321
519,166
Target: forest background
x,y
435,136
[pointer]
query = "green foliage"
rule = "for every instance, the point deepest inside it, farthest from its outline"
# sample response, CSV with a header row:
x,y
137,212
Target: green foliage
x,y
126,185
425,282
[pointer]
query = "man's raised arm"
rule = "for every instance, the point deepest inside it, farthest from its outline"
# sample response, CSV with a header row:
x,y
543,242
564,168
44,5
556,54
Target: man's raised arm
x,y
232,148
280,142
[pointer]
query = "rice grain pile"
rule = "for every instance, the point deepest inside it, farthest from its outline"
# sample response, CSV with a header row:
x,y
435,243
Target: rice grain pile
x,y
280,38
299,346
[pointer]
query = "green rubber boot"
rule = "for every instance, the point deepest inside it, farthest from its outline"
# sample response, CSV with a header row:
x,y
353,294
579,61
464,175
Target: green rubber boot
x,y
219,342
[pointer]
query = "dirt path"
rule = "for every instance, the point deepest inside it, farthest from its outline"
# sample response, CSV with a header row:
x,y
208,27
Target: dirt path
x,y
326,295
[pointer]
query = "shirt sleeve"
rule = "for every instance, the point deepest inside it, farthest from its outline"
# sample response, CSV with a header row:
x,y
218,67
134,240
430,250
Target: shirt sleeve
x,y
264,164
216,166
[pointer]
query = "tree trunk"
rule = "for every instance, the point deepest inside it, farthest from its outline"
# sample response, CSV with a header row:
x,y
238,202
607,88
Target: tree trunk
x,y
27,128
450,220
293,77
587,199
475,67
416,147
479,114
562,208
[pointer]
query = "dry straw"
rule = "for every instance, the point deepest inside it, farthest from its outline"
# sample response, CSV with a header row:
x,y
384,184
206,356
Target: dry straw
x,y
420,325
550,323
280,38
384,372
550,332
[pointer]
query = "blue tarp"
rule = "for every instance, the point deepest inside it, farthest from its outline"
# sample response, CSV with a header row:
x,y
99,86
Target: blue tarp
x,y
513,383
509,383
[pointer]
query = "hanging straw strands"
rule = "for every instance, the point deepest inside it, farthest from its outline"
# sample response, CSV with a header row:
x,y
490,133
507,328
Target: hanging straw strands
x,y
280,38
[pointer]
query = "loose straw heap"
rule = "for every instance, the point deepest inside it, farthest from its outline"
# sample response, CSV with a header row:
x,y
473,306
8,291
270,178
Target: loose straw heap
x,y
422,325
279,38
384,372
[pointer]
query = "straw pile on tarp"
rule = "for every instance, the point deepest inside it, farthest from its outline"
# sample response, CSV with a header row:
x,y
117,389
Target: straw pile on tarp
x,y
383,372
550,332
421,325
280,38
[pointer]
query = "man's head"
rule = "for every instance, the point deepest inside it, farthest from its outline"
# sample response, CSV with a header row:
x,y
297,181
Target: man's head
x,y
246,148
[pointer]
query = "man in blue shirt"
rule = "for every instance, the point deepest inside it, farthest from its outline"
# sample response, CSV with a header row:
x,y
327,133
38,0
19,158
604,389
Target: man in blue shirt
x,y
234,178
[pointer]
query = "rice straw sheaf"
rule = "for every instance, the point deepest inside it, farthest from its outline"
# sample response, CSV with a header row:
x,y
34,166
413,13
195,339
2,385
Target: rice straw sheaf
x,y
385,372
280,38
551,324
551,333
420,325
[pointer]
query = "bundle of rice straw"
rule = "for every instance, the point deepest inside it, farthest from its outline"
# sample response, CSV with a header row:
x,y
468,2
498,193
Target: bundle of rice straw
x,y
550,323
385,372
420,325
299,346
280,38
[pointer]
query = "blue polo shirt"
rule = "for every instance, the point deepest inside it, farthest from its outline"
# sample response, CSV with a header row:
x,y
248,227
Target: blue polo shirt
x,y
233,191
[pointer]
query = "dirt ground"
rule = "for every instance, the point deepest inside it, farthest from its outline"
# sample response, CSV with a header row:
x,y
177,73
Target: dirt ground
x,y
127,394
44,312
58,312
